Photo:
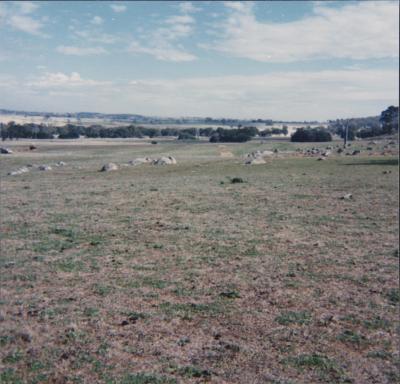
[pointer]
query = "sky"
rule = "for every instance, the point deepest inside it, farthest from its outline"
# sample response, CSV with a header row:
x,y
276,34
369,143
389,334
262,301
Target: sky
x,y
284,60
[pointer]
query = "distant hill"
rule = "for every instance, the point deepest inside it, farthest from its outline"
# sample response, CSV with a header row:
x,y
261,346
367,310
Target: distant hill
x,y
140,119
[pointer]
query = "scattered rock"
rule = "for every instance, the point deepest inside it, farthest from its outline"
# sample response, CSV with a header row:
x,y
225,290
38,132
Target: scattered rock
x,y
9,264
386,172
267,153
44,168
165,160
140,160
347,196
6,151
255,161
109,167
19,171
321,158
356,152
224,152
183,341
339,150
60,164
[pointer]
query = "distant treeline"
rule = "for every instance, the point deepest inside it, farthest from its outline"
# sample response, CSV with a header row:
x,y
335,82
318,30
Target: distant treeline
x,y
386,123
70,131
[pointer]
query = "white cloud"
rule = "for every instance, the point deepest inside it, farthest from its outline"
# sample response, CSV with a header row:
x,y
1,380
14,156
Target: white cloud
x,y
165,53
118,8
295,95
17,16
27,6
80,51
62,80
362,30
97,20
188,7
26,24
282,95
163,42
94,36
237,5
180,19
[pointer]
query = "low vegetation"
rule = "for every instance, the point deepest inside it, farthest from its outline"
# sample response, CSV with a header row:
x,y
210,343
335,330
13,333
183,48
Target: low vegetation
x,y
206,271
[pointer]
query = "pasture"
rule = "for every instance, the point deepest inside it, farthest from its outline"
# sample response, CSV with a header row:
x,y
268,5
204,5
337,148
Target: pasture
x,y
174,274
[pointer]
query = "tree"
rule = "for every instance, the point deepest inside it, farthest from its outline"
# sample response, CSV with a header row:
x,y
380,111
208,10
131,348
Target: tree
x,y
239,135
390,119
311,135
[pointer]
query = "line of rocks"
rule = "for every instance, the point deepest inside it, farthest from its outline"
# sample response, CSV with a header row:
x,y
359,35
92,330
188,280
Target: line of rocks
x,y
42,167
163,160
258,157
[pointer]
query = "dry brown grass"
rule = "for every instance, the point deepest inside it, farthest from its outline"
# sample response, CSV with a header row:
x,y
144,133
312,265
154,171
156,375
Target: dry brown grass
x,y
178,274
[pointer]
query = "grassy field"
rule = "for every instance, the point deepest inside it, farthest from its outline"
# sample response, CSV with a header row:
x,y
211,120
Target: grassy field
x,y
174,274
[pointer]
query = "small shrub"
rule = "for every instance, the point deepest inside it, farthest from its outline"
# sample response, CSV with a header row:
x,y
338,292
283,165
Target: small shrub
x,y
191,371
230,294
236,180
393,295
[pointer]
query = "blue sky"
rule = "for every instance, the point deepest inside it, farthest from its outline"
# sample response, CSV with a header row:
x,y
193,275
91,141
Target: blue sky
x,y
266,59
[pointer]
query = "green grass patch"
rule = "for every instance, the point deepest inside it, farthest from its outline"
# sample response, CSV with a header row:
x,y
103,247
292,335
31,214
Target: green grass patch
x,y
379,354
377,323
143,378
13,357
187,311
91,312
70,265
349,336
102,290
9,376
326,367
291,317
154,282
194,372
